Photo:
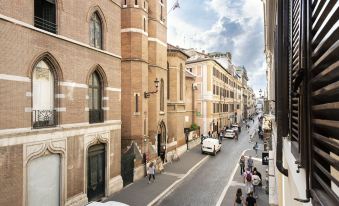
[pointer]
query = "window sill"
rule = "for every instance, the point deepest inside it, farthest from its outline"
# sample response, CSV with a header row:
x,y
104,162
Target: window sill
x,y
162,113
136,113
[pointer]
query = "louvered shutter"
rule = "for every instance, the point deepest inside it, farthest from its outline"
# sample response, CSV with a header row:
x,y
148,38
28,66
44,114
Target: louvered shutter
x,y
296,79
324,86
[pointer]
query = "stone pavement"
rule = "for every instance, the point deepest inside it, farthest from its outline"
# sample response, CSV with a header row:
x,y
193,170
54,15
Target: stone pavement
x,y
238,180
141,193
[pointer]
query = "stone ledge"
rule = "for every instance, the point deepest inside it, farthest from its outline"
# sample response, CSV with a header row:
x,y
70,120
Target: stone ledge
x,y
115,185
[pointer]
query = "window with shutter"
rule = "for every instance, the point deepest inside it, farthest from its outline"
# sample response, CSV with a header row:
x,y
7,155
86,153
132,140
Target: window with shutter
x,y
324,99
296,79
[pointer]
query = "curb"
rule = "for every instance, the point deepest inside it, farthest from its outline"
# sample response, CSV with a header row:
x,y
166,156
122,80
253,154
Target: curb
x,y
165,192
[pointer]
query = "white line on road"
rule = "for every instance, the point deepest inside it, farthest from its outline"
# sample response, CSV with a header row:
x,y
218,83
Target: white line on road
x,y
165,192
229,181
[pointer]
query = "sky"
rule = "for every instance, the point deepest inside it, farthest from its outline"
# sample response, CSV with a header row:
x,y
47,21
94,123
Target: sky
x,y
236,26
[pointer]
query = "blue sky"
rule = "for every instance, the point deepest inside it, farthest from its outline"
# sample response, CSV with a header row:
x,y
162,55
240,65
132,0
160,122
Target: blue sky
x,y
222,25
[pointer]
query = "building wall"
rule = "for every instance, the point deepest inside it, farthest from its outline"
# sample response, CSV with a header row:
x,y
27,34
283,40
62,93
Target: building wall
x,y
74,60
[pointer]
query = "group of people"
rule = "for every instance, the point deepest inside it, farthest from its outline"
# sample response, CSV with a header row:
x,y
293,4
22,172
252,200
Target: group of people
x,y
252,180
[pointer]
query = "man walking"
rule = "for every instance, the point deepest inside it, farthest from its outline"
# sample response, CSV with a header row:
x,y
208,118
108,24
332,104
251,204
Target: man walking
x,y
250,163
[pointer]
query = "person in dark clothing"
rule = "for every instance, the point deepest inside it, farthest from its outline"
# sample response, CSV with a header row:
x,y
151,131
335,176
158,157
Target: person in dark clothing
x,y
258,173
250,200
238,198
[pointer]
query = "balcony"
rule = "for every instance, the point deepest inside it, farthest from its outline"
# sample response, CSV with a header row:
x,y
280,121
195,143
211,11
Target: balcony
x,y
96,116
45,24
44,118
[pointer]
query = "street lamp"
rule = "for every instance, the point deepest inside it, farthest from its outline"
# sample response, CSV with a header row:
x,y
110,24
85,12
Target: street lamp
x,y
148,94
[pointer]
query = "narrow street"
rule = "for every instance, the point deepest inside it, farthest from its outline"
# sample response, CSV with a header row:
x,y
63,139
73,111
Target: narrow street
x,y
206,184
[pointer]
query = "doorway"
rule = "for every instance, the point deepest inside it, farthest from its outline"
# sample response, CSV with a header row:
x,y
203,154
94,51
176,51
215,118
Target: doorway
x,y
96,172
161,139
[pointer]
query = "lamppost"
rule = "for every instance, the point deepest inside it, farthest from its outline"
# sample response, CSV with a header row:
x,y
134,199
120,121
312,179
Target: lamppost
x,y
148,94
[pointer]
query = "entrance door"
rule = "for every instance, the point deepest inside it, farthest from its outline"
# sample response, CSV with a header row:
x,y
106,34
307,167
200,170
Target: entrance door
x,y
96,172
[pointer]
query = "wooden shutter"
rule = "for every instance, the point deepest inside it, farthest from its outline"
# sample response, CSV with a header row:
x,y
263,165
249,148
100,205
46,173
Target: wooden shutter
x,y
296,64
324,91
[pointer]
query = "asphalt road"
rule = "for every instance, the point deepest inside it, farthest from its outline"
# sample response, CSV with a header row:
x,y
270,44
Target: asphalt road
x,y
205,185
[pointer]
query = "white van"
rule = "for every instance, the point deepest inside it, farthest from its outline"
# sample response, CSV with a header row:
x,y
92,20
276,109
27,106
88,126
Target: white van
x,y
211,146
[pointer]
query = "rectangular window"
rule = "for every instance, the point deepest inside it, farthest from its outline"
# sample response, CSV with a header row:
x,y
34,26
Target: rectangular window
x,y
45,15
136,102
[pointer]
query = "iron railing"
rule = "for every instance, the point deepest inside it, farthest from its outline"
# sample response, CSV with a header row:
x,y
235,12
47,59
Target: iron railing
x,y
45,24
44,118
96,115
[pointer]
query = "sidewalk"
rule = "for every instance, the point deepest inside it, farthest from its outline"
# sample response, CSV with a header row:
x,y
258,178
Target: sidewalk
x,y
140,193
238,180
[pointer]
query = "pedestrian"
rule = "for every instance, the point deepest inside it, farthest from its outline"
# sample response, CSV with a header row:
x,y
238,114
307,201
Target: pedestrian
x,y
250,163
151,172
209,133
242,164
250,200
255,182
238,198
258,173
144,161
248,180
256,147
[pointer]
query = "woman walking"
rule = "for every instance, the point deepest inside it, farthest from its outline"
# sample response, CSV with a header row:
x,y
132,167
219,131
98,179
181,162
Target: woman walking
x,y
242,164
238,198
151,172
256,147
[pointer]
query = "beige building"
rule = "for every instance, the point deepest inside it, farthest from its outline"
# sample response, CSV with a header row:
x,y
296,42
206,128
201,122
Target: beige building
x,y
180,99
60,101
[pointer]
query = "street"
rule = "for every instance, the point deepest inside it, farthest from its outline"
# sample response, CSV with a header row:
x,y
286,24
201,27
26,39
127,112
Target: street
x,y
206,184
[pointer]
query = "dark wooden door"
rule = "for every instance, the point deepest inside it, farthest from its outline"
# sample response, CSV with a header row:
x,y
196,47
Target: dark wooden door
x,y
96,172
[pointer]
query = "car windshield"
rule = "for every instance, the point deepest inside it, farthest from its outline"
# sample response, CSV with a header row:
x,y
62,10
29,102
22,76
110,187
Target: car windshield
x,y
230,131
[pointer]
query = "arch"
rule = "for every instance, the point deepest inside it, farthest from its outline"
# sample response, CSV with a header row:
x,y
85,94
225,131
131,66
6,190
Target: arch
x,y
101,73
97,10
51,62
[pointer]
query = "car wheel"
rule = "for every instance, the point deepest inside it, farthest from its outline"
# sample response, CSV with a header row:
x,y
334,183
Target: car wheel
x,y
202,151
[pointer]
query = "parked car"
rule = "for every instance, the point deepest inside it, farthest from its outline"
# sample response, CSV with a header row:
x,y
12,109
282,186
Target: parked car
x,y
235,127
229,133
109,203
211,146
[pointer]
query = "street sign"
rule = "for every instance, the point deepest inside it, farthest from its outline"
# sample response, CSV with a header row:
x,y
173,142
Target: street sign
x,y
265,158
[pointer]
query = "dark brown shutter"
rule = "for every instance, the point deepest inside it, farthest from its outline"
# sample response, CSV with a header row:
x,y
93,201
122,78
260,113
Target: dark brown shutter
x,y
296,78
324,86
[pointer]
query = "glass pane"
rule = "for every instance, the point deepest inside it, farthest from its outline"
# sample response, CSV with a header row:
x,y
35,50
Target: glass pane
x,y
95,99
95,80
91,31
90,100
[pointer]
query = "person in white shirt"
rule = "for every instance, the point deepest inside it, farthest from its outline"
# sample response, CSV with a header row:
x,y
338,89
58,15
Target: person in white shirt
x,y
255,182
151,172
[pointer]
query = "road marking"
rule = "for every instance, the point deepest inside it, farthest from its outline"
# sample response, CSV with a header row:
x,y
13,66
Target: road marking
x,y
221,198
166,192
174,174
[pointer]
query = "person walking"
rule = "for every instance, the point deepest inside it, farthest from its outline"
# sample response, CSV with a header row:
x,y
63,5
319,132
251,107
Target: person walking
x,y
248,180
250,200
151,172
250,163
255,182
256,147
242,164
238,198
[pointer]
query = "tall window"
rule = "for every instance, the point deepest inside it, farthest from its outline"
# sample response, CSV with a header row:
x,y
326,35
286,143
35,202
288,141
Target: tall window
x,y
168,81
137,103
144,24
95,31
181,82
136,2
45,15
161,15
95,96
43,112
162,96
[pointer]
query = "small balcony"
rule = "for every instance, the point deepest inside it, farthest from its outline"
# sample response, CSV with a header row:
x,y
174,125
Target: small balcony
x,y
44,118
45,24
96,116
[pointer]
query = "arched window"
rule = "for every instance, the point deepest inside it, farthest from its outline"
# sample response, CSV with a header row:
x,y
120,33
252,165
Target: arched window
x,y
43,112
95,28
168,81
95,98
181,82
45,15
162,96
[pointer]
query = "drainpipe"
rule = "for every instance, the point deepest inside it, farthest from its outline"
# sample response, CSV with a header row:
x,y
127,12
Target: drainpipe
x,y
281,78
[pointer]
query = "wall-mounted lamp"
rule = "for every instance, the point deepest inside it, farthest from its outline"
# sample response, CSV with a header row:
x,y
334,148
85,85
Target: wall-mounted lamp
x,y
148,94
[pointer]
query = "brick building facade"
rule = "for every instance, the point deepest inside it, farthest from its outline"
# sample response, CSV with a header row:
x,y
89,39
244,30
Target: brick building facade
x,y
60,87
